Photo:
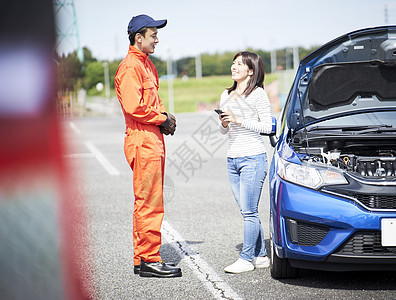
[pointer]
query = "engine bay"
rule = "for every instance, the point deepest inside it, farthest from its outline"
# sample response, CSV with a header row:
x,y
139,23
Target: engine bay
x,y
364,158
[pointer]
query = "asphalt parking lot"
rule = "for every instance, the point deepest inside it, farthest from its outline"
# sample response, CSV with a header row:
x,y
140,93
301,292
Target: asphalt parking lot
x,y
202,230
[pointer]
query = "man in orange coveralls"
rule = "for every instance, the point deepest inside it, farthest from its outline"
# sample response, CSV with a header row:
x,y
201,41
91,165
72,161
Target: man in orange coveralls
x,y
136,84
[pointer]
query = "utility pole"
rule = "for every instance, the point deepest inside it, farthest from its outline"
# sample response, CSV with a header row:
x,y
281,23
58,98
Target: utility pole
x,y
273,61
288,58
198,66
170,83
296,58
65,12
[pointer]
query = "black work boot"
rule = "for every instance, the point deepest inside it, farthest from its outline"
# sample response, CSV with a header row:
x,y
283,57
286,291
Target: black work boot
x,y
158,269
136,268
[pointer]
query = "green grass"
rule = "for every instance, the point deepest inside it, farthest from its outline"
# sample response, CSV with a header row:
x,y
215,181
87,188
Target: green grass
x,y
188,94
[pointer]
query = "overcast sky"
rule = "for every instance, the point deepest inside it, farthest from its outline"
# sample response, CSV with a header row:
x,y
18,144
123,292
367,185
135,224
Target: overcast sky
x,y
210,26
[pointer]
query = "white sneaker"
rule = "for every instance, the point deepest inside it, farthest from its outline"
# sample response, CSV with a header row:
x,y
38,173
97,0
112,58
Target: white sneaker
x,y
239,266
261,262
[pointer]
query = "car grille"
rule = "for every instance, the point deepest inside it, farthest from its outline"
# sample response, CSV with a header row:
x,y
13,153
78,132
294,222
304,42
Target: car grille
x,y
377,201
366,243
306,234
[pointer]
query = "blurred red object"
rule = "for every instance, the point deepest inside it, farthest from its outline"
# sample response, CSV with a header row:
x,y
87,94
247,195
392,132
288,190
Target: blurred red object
x,y
43,250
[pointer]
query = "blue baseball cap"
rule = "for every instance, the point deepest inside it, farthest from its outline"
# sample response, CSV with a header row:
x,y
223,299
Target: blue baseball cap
x,y
140,21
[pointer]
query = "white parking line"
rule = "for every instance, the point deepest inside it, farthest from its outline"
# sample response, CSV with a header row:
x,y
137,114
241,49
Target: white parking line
x,y
75,129
216,285
102,159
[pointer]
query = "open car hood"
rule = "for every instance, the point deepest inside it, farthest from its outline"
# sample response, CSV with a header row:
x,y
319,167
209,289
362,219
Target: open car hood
x,y
353,73
341,84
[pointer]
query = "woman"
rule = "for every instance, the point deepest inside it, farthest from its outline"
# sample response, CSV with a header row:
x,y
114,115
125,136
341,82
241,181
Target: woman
x,y
246,112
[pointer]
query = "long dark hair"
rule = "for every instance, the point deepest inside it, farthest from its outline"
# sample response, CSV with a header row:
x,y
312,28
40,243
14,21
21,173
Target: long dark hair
x,y
255,63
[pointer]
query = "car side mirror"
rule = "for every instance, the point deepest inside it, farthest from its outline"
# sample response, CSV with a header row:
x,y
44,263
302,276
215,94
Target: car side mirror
x,y
273,140
272,135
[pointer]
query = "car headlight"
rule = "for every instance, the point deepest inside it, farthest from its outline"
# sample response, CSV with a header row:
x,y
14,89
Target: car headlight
x,y
310,175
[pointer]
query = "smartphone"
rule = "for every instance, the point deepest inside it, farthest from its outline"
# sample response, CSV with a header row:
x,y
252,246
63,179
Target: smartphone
x,y
219,111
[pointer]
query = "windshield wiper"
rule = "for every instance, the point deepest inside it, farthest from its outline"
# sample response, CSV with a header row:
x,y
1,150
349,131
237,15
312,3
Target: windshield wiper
x,y
382,128
360,128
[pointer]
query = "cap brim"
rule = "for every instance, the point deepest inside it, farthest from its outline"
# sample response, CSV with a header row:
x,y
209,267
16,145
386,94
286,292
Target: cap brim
x,y
158,24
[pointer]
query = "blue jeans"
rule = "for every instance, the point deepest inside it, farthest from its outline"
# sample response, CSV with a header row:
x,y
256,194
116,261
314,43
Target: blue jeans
x,y
247,176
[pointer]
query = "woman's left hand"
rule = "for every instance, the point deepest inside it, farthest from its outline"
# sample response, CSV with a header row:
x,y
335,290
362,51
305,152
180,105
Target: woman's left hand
x,y
231,117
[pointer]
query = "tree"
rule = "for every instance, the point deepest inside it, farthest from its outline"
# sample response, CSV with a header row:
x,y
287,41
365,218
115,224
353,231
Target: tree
x,y
69,72
160,65
88,58
73,74
266,57
186,66
94,73
113,66
217,64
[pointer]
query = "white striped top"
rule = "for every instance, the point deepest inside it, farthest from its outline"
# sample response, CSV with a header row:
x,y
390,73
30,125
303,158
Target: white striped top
x,y
255,110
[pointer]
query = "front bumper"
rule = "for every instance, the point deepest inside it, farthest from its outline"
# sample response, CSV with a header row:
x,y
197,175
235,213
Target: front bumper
x,y
317,230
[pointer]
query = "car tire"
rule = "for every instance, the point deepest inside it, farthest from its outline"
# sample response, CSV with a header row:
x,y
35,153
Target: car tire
x,y
280,268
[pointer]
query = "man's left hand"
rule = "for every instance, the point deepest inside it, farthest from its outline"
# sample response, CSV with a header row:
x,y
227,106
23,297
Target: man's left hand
x,y
169,126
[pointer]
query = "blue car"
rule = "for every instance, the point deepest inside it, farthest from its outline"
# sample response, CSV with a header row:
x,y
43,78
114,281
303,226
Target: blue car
x,y
333,173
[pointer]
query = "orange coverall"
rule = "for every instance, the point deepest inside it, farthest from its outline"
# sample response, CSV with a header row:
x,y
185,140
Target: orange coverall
x,y
136,85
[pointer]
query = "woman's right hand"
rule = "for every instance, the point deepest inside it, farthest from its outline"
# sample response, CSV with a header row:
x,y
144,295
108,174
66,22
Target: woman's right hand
x,y
224,123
